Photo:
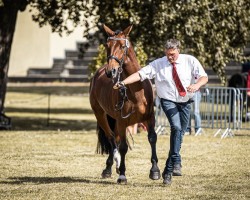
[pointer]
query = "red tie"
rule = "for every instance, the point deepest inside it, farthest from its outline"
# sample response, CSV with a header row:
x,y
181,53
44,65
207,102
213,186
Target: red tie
x,y
179,86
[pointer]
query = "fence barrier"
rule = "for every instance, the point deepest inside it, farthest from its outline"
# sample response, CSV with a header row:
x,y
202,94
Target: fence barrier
x,y
220,108
224,109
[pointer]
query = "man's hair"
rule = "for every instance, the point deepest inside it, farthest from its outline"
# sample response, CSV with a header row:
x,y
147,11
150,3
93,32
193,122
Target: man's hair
x,y
173,44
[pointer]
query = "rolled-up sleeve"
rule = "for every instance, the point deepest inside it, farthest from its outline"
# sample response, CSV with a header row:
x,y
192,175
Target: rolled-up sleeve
x,y
198,69
147,72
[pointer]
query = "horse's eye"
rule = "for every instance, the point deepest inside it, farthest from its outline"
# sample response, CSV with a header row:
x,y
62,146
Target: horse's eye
x,y
123,47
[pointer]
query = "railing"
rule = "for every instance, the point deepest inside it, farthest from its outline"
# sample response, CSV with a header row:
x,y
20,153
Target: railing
x,y
220,108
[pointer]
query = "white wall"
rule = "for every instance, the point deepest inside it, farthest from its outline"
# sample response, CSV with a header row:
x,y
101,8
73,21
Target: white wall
x,y
58,44
30,47
37,47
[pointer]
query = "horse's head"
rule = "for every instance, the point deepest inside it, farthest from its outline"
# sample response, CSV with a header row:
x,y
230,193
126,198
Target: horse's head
x,y
117,47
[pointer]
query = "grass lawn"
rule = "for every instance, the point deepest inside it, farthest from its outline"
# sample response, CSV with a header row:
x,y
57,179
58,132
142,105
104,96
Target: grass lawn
x,y
63,165
57,160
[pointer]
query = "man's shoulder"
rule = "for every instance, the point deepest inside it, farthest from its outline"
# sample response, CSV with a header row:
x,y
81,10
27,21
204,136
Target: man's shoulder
x,y
162,59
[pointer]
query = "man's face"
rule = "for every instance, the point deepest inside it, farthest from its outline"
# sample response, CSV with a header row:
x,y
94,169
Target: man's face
x,y
172,54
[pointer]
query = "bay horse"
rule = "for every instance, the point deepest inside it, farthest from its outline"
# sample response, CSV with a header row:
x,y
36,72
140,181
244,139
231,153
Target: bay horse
x,y
115,110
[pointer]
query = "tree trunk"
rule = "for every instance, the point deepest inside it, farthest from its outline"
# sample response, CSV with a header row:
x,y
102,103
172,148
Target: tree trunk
x,y
8,17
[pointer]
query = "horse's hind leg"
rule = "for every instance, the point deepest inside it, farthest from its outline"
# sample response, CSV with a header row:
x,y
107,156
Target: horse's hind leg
x,y
152,138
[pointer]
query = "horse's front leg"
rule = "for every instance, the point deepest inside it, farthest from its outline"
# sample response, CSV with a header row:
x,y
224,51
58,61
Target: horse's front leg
x,y
113,155
154,171
111,148
123,149
107,172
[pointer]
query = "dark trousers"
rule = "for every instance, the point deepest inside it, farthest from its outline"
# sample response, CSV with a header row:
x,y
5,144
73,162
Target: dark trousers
x,y
178,116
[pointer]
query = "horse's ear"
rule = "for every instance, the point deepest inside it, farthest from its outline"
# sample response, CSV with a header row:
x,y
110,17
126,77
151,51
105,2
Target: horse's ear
x,y
127,30
108,30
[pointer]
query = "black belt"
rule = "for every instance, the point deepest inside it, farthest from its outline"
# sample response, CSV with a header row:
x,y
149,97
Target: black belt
x,y
191,100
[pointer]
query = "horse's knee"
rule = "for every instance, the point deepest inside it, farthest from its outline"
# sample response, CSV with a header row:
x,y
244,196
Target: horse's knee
x,y
152,136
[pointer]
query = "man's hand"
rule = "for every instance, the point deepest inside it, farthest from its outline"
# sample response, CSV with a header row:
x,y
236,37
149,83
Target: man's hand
x,y
119,85
193,88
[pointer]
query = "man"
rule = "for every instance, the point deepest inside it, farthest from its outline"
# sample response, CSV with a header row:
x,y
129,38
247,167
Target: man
x,y
175,91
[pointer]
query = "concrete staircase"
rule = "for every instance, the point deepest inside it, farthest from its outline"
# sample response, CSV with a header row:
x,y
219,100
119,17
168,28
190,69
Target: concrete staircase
x,y
72,68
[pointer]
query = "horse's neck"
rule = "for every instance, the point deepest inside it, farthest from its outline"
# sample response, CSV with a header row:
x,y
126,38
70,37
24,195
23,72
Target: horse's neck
x,y
131,64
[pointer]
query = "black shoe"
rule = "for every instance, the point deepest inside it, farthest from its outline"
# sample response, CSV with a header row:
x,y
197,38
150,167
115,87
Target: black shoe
x,y
167,179
177,170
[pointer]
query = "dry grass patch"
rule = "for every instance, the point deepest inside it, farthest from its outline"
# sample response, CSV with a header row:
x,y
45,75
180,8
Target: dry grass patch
x,y
63,165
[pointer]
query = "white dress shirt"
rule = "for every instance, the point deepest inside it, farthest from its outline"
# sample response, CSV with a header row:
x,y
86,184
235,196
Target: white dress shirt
x,y
188,69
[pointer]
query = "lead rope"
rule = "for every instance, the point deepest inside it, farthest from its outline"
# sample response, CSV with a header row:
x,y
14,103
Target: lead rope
x,y
122,89
123,93
120,105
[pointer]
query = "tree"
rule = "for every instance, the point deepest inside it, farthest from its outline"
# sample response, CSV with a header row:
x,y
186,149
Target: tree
x,y
8,15
216,32
61,15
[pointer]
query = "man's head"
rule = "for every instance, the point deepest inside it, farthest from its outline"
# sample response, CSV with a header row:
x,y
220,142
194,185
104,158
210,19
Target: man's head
x,y
172,49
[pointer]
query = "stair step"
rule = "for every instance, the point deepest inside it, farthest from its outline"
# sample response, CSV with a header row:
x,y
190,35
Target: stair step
x,y
76,62
78,55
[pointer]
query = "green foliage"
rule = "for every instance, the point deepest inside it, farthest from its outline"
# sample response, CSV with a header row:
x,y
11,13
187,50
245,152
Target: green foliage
x,y
216,32
141,55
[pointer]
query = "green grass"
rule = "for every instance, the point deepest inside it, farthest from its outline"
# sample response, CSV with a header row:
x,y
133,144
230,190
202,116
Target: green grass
x,y
58,161
63,165
49,107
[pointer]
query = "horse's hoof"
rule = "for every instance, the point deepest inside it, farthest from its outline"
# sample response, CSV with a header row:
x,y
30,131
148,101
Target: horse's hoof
x,y
122,180
106,173
155,175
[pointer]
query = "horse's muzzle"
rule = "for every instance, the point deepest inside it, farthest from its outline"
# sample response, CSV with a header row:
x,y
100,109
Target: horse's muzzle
x,y
111,73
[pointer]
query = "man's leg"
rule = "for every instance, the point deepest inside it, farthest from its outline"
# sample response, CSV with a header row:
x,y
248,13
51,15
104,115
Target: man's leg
x,y
172,112
184,110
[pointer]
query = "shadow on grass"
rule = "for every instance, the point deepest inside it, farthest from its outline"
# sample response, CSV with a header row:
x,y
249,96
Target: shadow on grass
x,y
62,111
50,89
88,180
25,123
48,180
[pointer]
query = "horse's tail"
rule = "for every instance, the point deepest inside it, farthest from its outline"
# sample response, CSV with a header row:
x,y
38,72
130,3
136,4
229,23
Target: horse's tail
x,y
104,144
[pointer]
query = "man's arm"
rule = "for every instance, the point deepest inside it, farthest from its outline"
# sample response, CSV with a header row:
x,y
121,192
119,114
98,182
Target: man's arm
x,y
130,79
200,82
